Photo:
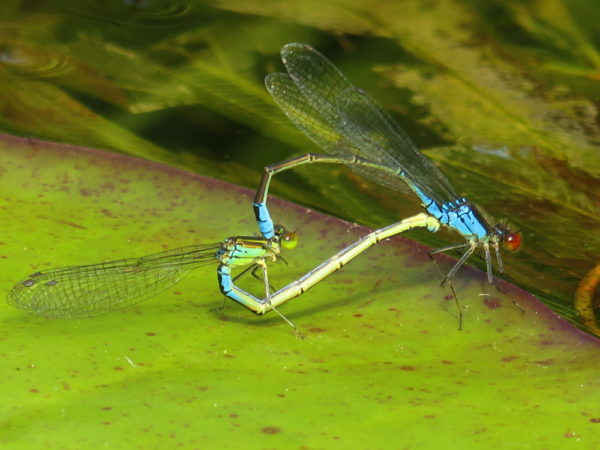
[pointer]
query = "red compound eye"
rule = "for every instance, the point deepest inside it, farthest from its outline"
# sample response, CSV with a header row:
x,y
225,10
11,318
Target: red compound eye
x,y
512,241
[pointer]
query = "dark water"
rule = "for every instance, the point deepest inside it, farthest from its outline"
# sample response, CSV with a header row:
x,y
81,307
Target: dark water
x,y
503,96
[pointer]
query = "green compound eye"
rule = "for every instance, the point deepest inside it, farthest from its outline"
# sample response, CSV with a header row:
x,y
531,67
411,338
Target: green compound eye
x,y
289,241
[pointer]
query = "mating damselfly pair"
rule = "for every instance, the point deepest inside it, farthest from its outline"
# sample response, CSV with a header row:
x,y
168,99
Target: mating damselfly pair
x,y
354,130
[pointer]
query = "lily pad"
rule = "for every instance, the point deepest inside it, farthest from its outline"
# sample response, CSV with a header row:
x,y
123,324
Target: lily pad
x,y
381,366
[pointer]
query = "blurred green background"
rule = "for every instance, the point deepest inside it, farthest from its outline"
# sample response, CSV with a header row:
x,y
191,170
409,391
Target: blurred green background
x,y
502,95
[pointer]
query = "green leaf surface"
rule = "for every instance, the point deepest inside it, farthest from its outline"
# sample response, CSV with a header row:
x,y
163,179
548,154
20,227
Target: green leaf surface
x,y
382,365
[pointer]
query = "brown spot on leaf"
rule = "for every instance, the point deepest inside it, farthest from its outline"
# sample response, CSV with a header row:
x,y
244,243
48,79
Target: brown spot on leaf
x,y
72,224
316,330
492,302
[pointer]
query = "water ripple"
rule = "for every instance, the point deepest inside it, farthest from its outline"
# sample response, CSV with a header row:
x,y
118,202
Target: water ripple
x,y
24,62
140,12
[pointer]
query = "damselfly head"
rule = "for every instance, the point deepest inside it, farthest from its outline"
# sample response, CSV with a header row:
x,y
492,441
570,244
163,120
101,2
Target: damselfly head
x,y
287,239
509,236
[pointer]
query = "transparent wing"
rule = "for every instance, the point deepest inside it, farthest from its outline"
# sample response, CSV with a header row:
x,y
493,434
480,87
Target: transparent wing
x,y
315,124
85,291
370,127
339,117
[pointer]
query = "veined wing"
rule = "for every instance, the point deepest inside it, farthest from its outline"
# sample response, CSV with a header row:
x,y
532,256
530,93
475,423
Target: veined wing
x,y
369,127
85,291
315,124
362,126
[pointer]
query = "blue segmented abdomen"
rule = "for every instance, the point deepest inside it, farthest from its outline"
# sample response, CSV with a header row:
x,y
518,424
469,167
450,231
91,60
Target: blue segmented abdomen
x,y
226,284
265,223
